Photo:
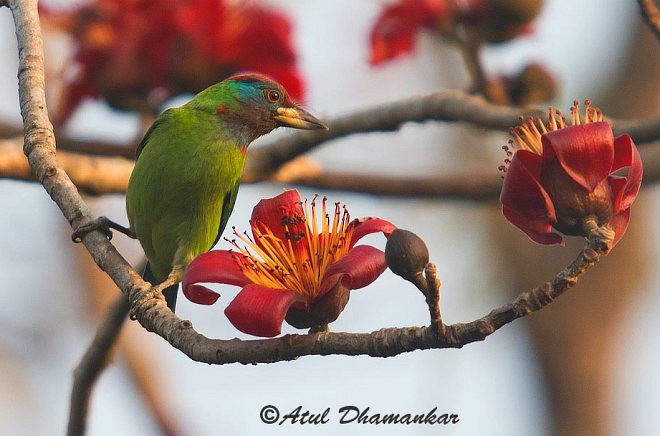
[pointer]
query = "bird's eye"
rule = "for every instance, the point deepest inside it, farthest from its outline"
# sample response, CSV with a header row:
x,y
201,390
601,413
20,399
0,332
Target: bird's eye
x,y
273,95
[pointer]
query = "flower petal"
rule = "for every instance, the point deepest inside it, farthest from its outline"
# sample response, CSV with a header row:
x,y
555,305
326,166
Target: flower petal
x,y
619,224
522,192
626,155
216,266
359,268
260,311
367,225
585,152
395,29
538,230
200,294
271,211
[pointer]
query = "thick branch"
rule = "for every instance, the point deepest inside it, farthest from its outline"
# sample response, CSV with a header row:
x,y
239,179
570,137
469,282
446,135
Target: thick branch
x,y
39,146
382,343
651,15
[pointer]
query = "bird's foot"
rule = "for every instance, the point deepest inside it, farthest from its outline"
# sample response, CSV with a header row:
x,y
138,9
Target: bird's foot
x,y
143,297
103,224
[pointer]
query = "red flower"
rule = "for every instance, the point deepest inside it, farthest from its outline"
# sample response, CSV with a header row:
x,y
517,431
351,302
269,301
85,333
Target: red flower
x,y
491,21
570,178
397,26
131,52
302,270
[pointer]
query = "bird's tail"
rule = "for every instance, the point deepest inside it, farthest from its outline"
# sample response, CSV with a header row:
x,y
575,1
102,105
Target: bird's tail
x,y
169,293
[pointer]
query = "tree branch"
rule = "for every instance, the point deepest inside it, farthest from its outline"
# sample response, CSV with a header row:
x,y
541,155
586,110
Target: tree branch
x,y
386,342
39,146
451,105
91,174
98,175
92,364
651,15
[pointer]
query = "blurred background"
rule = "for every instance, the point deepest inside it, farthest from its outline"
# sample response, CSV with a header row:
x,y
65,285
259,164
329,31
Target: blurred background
x,y
587,364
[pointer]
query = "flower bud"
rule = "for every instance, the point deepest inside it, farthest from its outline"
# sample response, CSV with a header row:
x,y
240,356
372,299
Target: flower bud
x,y
500,20
406,254
532,85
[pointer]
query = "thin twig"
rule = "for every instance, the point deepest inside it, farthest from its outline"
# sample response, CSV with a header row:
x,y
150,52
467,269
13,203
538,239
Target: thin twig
x,y
433,298
651,15
92,364
493,88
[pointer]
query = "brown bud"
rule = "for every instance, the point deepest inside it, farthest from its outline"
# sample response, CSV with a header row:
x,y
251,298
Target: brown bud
x,y
501,20
532,85
406,254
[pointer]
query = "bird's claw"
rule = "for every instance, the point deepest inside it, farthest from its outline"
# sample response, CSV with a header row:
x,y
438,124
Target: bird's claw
x,y
100,223
144,297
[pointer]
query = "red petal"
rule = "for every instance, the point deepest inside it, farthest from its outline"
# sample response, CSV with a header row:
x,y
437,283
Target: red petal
x,y
368,225
271,211
200,294
260,311
626,155
538,231
216,266
522,192
395,29
617,187
359,268
619,224
585,152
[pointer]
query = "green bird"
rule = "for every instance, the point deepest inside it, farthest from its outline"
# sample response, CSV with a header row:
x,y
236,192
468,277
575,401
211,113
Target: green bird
x,y
187,173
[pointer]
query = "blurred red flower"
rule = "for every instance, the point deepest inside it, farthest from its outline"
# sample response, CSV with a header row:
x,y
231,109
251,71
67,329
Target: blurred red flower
x,y
132,52
570,178
491,21
302,271
397,26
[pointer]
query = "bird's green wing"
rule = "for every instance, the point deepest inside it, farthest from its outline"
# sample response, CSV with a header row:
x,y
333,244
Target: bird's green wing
x,y
145,140
227,208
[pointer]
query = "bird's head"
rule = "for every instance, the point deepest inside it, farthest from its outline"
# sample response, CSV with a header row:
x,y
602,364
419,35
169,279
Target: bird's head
x,y
254,104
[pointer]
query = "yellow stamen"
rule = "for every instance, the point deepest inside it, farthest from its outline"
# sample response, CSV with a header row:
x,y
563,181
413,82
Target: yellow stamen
x,y
528,134
300,260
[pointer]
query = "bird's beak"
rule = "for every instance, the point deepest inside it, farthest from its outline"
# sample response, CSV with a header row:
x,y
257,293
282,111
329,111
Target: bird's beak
x,y
298,119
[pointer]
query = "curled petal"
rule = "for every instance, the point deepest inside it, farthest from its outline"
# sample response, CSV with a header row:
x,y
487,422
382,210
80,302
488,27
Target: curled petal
x,y
522,192
396,28
368,225
200,294
271,212
619,223
260,311
359,268
585,152
626,155
539,231
216,266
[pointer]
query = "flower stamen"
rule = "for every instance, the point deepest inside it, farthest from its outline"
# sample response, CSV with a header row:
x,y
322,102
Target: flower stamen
x,y
300,260
527,135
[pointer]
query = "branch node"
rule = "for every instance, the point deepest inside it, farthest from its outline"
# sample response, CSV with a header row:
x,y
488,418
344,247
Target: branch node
x,y
49,172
